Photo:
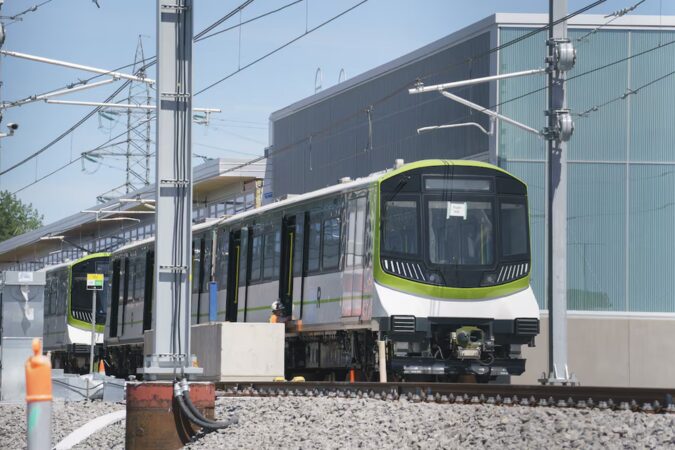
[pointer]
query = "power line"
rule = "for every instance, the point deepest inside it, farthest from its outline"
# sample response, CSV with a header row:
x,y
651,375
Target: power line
x,y
615,15
17,17
73,127
344,119
205,31
297,38
37,180
518,39
332,125
407,85
224,149
249,20
613,63
623,96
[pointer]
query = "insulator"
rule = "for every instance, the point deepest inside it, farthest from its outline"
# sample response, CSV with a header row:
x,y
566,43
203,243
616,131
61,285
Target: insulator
x,y
565,126
565,56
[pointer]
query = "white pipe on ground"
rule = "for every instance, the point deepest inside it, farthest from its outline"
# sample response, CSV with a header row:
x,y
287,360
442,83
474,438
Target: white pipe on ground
x,y
90,428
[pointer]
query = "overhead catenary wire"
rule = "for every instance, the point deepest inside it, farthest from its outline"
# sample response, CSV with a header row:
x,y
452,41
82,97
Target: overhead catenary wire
x,y
197,37
615,15
406,85
281,47
346,118
588,72
60,168
245,22
73,127
332,125
629,92
17,17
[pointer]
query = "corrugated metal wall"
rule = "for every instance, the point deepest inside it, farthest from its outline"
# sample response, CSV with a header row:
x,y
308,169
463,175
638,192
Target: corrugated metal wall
x,y
330,139
621,185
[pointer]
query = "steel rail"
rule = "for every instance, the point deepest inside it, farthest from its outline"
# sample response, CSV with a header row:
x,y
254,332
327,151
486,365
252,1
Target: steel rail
x,y
651,400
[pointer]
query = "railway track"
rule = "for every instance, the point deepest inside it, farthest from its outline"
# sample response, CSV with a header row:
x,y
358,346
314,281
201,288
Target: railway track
x,y
646,400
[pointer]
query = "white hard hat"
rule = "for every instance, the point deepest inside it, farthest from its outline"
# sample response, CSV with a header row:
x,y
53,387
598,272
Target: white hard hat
x,y
277,305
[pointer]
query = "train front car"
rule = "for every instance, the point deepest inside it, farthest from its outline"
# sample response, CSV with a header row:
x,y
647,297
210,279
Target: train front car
x,y
452,270
68,311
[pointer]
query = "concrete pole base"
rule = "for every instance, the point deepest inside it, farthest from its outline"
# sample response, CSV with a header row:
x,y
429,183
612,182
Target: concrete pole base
x,y
154,419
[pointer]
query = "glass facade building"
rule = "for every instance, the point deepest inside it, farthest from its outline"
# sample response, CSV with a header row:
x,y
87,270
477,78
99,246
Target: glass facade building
x,y
621,172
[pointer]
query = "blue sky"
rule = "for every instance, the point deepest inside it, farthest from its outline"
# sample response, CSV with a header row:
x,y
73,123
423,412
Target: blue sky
x,y
78,31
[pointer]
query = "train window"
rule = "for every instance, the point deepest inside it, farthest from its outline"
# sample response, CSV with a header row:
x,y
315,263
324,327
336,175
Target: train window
x,y
139,279
256,256
208,249
331,243
244,257
356,222
196,264
272,254
351,233
297,245
513,224
465,239
221,259
63,291
400,227
359,246
314,247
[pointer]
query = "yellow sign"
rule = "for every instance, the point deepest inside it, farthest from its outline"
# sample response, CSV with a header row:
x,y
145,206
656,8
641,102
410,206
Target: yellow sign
x,y
94,281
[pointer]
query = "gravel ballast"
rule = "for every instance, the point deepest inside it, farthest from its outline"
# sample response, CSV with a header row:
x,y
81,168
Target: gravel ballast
x,y
308,423
66,418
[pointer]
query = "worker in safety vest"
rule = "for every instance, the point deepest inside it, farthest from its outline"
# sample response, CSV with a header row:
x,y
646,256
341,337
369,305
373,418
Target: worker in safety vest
x,y
278,313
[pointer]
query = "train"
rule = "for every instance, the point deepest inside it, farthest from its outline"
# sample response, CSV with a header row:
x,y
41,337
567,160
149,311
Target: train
x,y
431,257
68,311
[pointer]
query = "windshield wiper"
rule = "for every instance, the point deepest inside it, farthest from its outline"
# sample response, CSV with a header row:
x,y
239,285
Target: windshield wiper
x,y
401,184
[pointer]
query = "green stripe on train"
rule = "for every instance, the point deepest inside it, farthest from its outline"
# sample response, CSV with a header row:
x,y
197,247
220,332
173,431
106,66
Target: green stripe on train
x,y
298,303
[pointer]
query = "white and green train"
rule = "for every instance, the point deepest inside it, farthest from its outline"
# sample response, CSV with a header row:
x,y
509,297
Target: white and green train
x,y
68,312
433,257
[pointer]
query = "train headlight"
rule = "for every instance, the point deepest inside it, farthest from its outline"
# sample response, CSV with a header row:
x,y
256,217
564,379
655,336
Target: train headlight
x,y
489,279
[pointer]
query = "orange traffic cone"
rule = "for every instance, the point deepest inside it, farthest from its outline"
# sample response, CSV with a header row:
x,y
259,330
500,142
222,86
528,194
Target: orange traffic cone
x,y
101,366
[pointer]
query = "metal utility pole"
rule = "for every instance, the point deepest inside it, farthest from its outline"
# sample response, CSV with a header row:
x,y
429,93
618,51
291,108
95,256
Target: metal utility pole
x,y
169,356
561,57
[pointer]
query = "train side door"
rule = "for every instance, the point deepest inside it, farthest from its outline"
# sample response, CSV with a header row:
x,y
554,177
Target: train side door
x,y
353,279
233,265
286,263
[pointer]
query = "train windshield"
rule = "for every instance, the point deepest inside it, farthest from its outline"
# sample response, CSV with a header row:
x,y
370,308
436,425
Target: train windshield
x,y
453,226
460,232
400,227
81,298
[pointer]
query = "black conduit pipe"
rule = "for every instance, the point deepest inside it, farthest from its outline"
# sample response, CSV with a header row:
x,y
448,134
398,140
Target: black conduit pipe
x,y
182,394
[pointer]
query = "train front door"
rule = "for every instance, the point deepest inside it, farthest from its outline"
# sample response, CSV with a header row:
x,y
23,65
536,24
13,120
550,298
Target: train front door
x,y
286,272
234,256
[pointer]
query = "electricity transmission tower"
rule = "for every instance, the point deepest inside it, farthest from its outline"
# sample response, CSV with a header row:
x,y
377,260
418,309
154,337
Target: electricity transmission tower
x,y
136,149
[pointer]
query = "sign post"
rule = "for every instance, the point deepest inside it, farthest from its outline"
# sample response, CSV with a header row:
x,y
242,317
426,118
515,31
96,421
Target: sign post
x,y
94,283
